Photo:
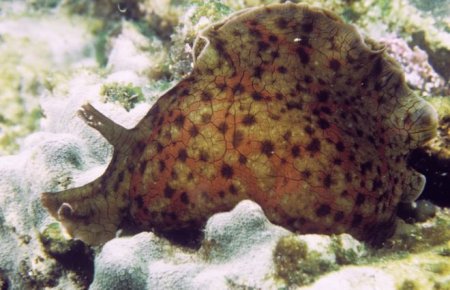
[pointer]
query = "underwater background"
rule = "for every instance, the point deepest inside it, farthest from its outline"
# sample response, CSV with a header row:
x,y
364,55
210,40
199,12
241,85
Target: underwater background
x,y
56,55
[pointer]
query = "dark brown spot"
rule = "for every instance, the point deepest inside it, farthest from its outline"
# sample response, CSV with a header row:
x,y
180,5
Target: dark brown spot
x,y
193,131
204,156
348,177
306,174
257,73
314,146
184,197
340,146
257,96
309,130
143,166
172,215
323,96
174,174
327,181
168,191
162,165
359,132
351,157
121,176
238,89
233,189
290,105
179,120
275,54
308,79
307,27
360,198
255,32
377,67
337,161
323,124
182,155
366,166
323,210
326,110
185,92
282,23
338,216
303,55
295,150
206,118
223,127
140,201
287,136
335,64
267,147
263,46
282,69
160,121
376,184
249,120
227,171
238,137
206,97
242,159
221,194
273,38
141,146
221,87
356,221
159,147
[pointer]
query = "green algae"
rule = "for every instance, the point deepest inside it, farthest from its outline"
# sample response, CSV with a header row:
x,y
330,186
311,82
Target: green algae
x,y
72,255
296,264
212,9
21,82
126,95
408,285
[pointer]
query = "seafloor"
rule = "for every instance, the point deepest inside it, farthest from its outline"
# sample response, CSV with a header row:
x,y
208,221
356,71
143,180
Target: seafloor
x,y
56,55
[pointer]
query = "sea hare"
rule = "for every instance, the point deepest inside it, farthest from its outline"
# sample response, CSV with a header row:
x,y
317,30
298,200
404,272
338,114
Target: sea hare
x,y
286,105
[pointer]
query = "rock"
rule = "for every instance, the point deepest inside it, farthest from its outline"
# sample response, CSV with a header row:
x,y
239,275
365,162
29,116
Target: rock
x,y
241,247
363,278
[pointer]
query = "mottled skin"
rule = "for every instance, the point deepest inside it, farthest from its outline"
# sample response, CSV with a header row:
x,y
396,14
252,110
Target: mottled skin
x,y
287,106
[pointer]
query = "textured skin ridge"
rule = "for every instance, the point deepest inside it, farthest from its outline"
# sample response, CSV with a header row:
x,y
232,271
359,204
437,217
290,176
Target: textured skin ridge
x,y
287,106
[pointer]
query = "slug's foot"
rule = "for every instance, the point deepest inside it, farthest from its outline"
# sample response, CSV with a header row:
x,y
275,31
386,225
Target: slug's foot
x,y
419,211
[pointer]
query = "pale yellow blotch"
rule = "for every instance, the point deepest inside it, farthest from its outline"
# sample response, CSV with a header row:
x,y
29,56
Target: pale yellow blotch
x,y
339,184
182,180
231,157
261,167
367,208
239,185
151,174
196,116
345,204
174,132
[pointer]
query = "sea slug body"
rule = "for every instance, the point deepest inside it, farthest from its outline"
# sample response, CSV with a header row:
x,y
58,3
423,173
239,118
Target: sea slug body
x,y
287,106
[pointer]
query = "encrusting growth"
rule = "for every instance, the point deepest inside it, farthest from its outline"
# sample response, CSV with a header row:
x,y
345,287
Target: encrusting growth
x,y
287,106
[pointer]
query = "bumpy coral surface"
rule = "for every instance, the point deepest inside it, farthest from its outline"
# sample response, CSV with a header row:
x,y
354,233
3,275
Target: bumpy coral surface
x,y
286,105
239,252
